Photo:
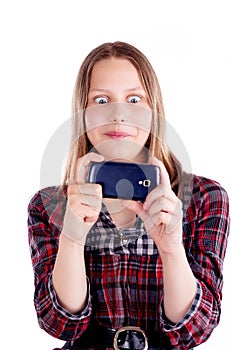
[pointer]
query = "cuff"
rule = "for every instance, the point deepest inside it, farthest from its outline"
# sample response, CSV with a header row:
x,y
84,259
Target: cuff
x,y
167,325
75,317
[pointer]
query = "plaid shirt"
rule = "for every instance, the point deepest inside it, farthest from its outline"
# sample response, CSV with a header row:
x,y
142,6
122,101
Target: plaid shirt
x,y
124,269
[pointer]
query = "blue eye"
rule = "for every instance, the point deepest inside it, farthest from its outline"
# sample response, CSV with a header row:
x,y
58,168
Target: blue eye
x,y
134,99
101,100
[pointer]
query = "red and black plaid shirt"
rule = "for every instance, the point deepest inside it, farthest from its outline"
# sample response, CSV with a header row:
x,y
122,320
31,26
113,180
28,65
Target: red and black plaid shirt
x,y
124,269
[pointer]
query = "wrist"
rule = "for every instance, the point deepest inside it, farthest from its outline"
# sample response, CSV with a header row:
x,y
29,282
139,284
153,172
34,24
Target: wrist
x,y
177,252
69,242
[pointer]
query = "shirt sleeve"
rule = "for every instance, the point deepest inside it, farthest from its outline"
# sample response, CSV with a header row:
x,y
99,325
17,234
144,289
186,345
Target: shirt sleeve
x,y
85,312
45,217
205,241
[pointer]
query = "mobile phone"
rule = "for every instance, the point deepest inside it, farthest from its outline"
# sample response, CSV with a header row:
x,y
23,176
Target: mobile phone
x,y
124,180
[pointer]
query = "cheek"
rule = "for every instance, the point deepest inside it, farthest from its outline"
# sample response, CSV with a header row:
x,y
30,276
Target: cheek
x,y
143,124
144,127
95,117
93,136
92,123
142,136
134,115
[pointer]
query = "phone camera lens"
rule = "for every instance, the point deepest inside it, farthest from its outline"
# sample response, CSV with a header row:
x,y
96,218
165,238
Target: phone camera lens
x,y
146,183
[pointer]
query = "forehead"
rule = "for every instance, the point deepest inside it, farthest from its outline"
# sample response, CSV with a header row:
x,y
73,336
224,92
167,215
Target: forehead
x,y
114,71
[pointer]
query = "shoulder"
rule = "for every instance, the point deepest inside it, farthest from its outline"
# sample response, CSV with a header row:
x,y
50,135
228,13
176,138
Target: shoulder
x,y
203,195
48,204
197,187
208,188
46,195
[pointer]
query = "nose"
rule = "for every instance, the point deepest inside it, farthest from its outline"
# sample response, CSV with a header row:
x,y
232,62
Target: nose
x,y
118,113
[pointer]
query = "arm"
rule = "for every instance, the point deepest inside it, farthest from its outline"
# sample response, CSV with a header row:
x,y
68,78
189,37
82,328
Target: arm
x,y
82,211
62,298
69,275
162,216
206,229
45,218
179,285
200,259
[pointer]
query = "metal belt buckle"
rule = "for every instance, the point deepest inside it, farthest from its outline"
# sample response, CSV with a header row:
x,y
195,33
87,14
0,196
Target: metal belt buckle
x,y
129,328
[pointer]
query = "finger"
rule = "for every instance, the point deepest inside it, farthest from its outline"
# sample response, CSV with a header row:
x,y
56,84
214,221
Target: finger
x,y
175,223
161,191
91,219
149,223
137,208
83,163
170,222
80,210
78,202
162,204
134,206
157,220
154,195
85,189
164,177
91,195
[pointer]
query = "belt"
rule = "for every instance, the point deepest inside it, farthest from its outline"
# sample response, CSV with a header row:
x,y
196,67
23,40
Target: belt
x,y
129,337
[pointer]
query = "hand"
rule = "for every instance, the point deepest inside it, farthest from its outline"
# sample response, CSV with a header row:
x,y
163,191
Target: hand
x,y
84,202
161,213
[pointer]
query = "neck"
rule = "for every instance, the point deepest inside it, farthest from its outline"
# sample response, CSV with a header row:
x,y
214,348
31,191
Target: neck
x,y
121,216
142,157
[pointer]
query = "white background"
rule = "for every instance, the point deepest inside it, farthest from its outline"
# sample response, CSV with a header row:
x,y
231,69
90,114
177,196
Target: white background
x,y
43,44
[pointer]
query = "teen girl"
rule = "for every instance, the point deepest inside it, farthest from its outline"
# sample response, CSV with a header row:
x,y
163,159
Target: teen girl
x,y
159,287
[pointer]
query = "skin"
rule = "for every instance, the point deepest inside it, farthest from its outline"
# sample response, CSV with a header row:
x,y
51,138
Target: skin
x,y
115,82
118,116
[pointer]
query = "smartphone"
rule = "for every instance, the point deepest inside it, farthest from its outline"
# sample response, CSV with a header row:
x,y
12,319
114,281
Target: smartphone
x,y
124,180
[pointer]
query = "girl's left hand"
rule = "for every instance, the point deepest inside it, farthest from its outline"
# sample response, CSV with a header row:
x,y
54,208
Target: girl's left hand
x,y
161,213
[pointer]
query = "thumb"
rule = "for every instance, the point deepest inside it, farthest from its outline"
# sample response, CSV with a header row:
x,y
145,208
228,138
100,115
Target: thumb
x,y
164,177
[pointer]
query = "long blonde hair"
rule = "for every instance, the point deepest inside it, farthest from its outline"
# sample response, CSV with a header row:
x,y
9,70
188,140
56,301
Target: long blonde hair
x,y
80,145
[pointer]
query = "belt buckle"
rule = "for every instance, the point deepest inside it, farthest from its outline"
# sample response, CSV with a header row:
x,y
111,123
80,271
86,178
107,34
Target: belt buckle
x,y
129,328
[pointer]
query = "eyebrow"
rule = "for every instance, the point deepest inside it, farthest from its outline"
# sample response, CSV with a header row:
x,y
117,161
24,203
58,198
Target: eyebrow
x,y
138,88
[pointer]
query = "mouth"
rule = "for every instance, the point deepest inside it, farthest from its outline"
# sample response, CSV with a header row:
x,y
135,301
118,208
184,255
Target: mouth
x,y
116,135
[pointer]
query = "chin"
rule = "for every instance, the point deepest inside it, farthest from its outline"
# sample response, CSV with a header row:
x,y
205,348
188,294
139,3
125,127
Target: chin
x,y
123,150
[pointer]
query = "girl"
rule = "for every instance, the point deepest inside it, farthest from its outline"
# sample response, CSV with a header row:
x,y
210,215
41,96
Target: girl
x,y
159,287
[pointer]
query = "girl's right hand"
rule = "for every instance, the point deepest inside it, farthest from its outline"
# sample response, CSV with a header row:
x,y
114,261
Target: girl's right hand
x,y
84,202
